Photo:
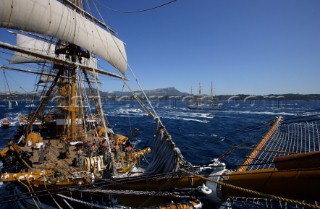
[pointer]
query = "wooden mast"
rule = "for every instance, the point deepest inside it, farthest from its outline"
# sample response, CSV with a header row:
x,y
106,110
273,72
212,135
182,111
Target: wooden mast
x,y
73,98
73,103
72,110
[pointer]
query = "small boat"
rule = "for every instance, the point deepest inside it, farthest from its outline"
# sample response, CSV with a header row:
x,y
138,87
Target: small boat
x,y
9,105
5,123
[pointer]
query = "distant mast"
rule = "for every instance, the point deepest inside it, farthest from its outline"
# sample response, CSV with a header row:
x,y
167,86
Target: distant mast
x,y
212,96
199,96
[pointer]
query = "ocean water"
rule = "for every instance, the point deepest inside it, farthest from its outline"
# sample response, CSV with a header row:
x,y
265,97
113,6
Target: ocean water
x,y
201,135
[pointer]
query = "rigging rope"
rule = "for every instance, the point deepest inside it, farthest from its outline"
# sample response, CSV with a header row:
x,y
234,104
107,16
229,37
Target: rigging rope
x,y
292,137
82,202
105,183
141,10
232,149
270,196
30,192
100,110
17,84
167,157
6,85
124,57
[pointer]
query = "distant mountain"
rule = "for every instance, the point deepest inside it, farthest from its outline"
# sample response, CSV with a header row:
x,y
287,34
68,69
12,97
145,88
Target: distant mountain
x,y
170,91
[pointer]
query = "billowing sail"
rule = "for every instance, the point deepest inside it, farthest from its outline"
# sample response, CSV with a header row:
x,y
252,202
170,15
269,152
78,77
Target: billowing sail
x,y
40,47
52,18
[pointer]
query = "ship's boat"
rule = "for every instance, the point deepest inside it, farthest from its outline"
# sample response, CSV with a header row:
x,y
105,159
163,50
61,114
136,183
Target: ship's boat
x,y
70,157
5,123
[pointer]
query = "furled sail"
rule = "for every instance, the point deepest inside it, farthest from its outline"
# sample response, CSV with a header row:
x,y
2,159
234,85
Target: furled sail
x,y
167,157
52,18
46,78
40,47
34,45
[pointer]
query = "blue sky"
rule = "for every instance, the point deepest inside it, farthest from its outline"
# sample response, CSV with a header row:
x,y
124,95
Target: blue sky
x,y
241,46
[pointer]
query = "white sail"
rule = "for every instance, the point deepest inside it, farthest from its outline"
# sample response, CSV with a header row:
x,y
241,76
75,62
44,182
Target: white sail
x,y
40,47
9,105
50,17
35,45
46,78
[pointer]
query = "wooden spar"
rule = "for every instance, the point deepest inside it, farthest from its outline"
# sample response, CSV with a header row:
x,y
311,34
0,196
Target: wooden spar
x,y
299,160
32,71
25,71
34,35
58,61
299,184
255,152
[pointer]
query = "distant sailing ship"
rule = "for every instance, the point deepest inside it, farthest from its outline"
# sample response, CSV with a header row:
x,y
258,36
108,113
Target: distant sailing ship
x,y
200,102
70,157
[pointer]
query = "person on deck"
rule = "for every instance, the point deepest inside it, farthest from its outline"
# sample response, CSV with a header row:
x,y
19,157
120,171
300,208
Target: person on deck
x,y
117,151
79,153
128,152
94,150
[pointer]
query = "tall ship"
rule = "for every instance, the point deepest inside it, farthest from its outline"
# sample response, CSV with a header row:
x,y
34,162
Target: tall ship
x,y
68,156
203,102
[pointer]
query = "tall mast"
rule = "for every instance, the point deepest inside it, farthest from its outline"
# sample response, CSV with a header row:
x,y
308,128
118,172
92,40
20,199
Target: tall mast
x,y
70,89
73,98
212,96
73,103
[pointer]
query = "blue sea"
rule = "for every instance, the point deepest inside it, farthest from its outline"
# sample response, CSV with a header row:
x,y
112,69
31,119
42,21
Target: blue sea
x,y
201,135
